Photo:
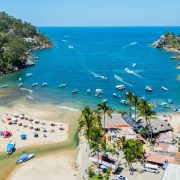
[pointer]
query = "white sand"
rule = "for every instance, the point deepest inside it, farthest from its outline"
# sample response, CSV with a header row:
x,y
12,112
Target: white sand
x,y
57,166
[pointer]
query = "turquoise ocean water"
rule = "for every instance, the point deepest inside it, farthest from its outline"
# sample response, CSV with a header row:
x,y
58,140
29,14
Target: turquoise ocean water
x,y
78,53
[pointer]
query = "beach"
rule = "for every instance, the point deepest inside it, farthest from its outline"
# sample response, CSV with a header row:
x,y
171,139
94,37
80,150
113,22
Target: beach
x,y
58,147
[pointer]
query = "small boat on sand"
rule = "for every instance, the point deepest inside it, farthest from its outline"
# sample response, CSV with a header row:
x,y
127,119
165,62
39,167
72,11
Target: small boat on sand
x,y
34,84
120,87
20,85
164,88
62,85
44,84
75,91
10,148
148,88
116,95
24,158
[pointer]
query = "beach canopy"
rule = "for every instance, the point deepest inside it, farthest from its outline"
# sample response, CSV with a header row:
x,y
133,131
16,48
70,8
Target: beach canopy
x,y
6,133
23,136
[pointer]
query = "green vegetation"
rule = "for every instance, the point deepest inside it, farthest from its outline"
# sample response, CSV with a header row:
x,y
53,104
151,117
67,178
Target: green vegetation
x,y
17,39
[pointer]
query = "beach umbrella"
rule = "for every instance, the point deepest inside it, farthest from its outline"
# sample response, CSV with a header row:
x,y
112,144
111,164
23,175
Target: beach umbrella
x,y
23,136
6,133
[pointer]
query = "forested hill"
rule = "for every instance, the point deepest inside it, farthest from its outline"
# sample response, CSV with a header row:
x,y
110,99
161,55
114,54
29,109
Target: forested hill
x,y
17,40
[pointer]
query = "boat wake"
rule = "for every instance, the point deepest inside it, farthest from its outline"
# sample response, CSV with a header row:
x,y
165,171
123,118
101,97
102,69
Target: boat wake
x,y
122,80
98,76
132,72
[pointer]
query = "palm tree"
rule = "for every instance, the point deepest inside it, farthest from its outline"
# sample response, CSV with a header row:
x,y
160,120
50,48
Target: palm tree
x,y
120,142
145,109
105,110
133,100
86,122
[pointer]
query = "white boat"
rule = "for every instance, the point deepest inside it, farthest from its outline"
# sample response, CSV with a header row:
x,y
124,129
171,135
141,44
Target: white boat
x,y
164,104
20,79
104,100
3,86
29,74
176,110
148,88
62,85
97,95
134,65
116,95
71,47
123,101
99,91
164,88
44,84
120,87
88,91
34,84
20,85
75,91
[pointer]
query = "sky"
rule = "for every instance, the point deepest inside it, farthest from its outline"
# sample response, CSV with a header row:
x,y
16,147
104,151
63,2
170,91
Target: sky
x,y
95,12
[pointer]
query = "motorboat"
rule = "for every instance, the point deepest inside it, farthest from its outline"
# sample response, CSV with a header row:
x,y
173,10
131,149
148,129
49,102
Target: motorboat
x,y
34,84
88,91
10,147
134,65
44,84
20,79
99,91
28,74
3,86
104,100
75,91
71,47
123,101
164,104
24,157
20,84
164,88
62,85
148,88
97,95
116,95
120,87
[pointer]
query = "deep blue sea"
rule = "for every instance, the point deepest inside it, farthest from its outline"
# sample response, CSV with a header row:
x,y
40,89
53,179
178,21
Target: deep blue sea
x,y
80,52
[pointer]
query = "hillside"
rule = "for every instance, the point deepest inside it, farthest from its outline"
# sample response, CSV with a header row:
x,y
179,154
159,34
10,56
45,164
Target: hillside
x,y
17,40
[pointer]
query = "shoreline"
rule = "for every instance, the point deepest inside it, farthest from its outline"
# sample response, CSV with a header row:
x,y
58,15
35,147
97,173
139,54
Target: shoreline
x,y
68,144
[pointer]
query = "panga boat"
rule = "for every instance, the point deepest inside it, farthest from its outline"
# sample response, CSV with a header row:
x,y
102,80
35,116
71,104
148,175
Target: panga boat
x,y
164,88
44,84
99,91
123,101
97,95
34,84
148,88
28,74
75,91
62,85
116,95
104,100
20,84
10,147
164,104
88,91
3,86
24,158
120,87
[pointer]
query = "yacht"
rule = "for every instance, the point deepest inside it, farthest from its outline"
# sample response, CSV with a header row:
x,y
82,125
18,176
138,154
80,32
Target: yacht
x,y
97,95
120,87
99,91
